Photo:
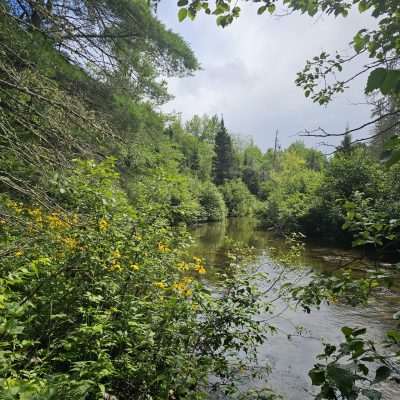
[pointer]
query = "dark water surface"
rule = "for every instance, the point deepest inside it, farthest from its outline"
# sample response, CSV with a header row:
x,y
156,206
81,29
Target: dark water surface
x,y
291,359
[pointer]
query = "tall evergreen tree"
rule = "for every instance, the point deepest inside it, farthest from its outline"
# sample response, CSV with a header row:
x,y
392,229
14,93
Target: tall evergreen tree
x,y
223,162
346,144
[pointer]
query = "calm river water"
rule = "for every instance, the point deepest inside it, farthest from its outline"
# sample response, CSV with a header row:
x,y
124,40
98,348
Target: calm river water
x,y
291,359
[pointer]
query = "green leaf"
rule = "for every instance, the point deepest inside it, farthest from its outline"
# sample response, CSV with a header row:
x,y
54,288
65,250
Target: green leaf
x,y
347,331
358,42
182,3
375,79
343,379
182,14
363,6
317,376
391,82
382,373
261,10
271,8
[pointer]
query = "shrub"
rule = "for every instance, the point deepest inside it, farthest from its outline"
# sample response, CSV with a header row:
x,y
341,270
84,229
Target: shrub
x,y
212,203
99,300
239,201
291,193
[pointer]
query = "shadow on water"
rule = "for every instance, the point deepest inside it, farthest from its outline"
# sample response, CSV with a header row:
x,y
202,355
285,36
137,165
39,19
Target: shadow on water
x,y
291,359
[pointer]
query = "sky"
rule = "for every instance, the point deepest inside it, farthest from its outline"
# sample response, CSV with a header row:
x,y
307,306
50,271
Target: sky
x,y
249,68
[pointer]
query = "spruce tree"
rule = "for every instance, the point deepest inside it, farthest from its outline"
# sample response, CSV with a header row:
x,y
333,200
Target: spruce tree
x,y
223,162
346,144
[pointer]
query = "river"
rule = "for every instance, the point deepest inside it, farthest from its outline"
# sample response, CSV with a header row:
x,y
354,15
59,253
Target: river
x,y
291,359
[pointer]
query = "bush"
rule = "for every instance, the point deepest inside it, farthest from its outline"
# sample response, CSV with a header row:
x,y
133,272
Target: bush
x,y
345,174
171,195
98,299
239,201
212,203
290,193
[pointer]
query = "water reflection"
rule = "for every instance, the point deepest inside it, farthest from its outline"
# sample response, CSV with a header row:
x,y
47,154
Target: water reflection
x,y
291,359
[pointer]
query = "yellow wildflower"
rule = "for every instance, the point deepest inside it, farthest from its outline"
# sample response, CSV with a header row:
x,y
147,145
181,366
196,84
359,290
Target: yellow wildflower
x,y
200,269
115,266
163,248
56,222
182,266
103,225
160,285
197,260
17,207
116,254
18,253
135,267
71,243
183,286
36,213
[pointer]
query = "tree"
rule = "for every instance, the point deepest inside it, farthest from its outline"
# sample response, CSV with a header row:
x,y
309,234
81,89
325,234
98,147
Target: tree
x,y
223,163
386,128
120,41
346,143
204,127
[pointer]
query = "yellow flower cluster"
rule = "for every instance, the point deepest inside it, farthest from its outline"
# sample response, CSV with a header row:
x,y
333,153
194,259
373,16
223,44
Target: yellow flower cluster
x,y
116,254
163,248
115,265
134,267
183,286
160,285
71,243
103,224
199,267
182,266
19,253
17,207
36,213
56,222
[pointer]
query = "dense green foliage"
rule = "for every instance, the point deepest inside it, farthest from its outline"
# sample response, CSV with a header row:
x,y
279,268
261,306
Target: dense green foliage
x,y
99,297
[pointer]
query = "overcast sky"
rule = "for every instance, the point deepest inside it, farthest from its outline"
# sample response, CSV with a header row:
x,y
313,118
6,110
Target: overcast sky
x,y
249,68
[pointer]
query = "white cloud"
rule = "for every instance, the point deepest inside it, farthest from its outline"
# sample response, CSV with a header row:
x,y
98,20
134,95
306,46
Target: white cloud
x,y
249,70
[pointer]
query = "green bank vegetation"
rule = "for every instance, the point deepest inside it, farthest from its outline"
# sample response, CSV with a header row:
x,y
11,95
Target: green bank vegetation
x,y
99,298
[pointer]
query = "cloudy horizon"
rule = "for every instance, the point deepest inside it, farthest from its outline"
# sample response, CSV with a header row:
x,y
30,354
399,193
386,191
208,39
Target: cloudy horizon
x,y
249,68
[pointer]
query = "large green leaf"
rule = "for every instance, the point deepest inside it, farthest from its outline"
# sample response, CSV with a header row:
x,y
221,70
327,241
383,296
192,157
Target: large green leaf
x,y
182,14
391,82
343,379
375,79
317,376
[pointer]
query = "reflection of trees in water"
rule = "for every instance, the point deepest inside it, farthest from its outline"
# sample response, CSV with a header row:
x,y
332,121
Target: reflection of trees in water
x,y
213,240
209,240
